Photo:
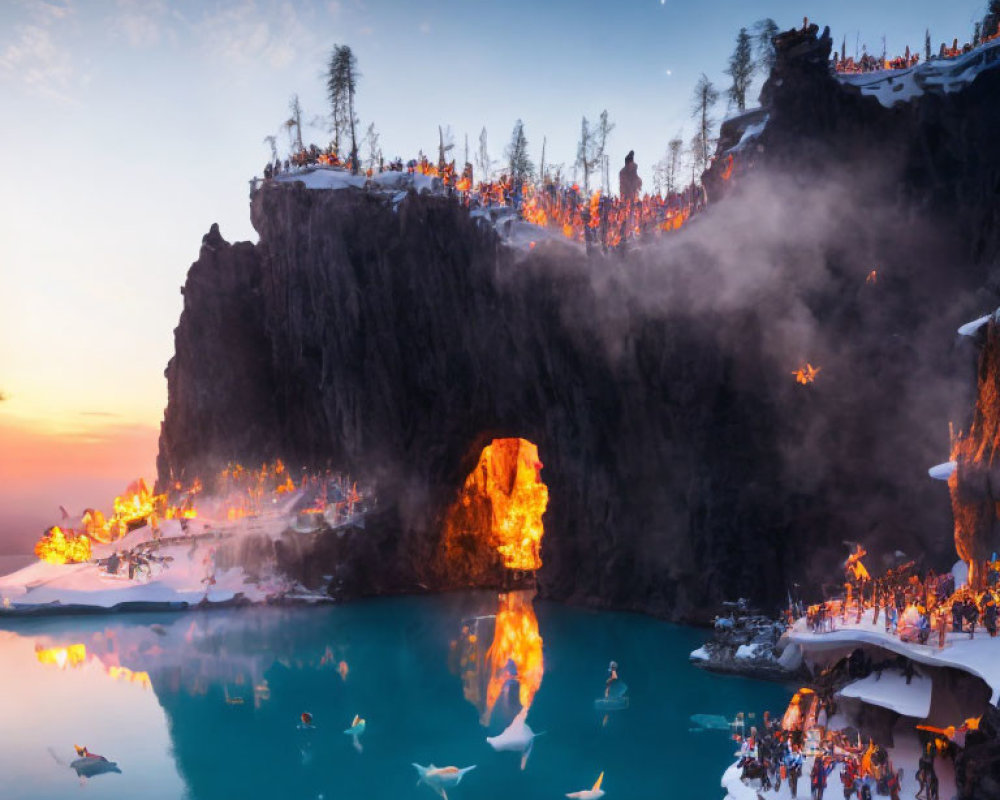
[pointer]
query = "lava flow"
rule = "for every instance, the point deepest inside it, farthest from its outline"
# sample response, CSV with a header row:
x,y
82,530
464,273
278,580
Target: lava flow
x,y
501,505
974,503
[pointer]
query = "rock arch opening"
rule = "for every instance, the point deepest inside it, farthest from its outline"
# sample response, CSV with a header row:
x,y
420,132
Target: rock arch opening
x,y
494,527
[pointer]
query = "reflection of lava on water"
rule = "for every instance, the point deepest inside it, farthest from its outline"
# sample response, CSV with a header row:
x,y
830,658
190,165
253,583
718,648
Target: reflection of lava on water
x,y
75,655
500,657
196,656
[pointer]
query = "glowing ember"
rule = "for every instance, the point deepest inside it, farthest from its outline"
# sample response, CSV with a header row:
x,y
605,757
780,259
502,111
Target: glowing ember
x,y
517,642
727,171
62,657
872,278
58,547
806,374
854,568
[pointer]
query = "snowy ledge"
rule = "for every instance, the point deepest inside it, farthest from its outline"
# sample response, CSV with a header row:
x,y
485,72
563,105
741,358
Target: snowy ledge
x,y
979,656
890,690
394,186
945,75
185,576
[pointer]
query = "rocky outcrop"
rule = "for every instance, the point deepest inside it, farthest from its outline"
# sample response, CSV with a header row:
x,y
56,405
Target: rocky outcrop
x,y
977,765
975,483
940,146
683,461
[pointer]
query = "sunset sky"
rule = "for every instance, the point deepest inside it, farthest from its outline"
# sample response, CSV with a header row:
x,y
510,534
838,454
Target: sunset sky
x,y
132,125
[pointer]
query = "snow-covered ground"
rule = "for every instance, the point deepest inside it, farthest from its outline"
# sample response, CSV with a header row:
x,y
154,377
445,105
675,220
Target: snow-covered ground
x,y
939,74
316,176
978,656
190,575
323,178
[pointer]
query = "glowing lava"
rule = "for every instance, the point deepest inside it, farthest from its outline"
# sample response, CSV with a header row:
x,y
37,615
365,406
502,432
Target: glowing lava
x,y
973,499
494,526
508,474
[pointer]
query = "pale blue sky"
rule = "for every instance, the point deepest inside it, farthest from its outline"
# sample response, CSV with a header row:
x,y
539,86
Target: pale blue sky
x,y
130,126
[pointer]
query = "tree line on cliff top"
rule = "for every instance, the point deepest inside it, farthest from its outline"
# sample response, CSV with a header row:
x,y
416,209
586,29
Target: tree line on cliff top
x,y
753,55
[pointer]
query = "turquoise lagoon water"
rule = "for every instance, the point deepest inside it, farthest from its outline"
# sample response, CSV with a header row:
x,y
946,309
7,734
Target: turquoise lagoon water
x,y
207,705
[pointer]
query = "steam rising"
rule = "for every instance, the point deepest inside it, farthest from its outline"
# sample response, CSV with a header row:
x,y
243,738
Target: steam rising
x,y
774,276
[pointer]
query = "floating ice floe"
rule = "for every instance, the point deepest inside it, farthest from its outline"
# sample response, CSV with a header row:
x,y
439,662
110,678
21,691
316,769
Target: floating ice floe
x,y
710,722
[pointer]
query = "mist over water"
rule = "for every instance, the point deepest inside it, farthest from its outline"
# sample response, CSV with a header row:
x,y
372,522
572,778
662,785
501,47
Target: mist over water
x,y
226,689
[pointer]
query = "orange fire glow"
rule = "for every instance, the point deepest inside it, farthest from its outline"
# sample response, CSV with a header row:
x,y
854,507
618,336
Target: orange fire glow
x,y
76,655
496,520
126,675
515,640
62,657
872,278
806,374
519,498
854,567
595,210
58,547
974,451
727,171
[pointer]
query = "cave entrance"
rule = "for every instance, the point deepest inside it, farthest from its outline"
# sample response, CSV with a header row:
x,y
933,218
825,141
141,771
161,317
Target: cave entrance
x,y
497,517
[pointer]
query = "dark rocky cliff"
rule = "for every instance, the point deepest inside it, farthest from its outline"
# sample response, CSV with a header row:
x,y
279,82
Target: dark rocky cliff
x,y
684,464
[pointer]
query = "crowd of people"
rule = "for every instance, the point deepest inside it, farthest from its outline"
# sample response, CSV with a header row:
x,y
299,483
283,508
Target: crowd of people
x,y
870,63
801,744
909,606
133,562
